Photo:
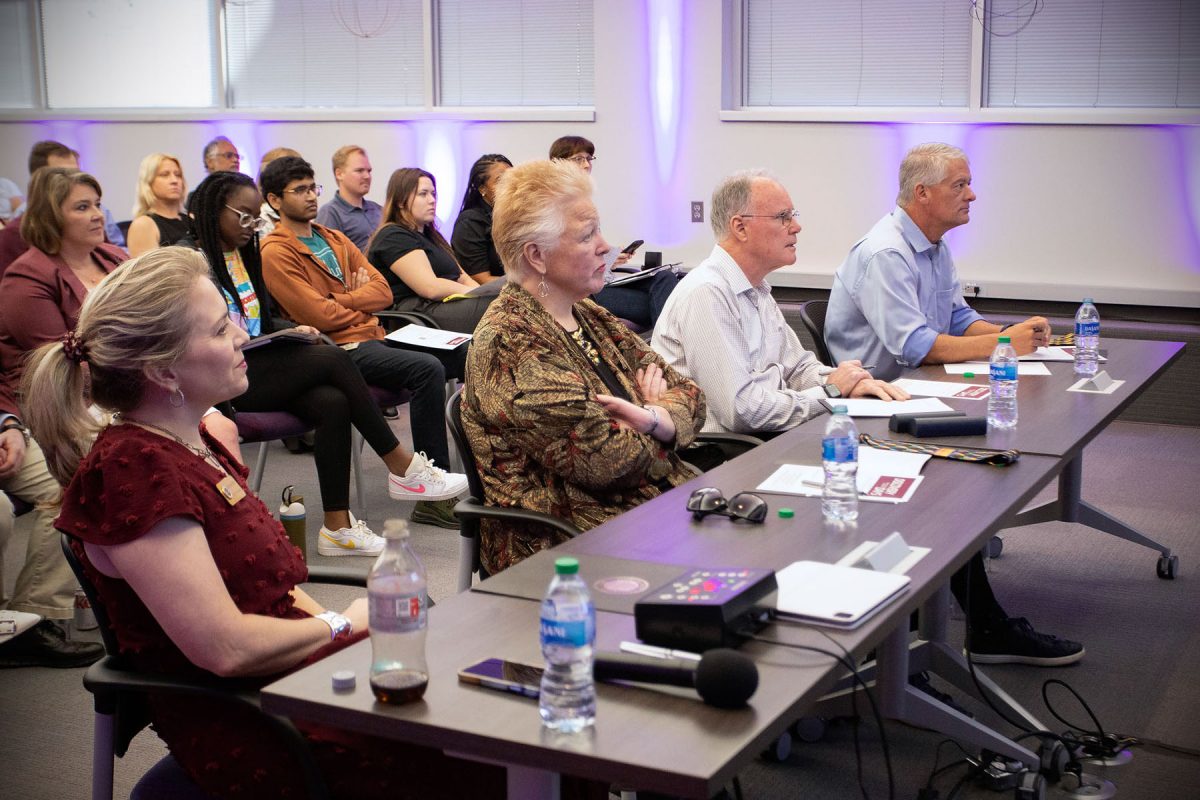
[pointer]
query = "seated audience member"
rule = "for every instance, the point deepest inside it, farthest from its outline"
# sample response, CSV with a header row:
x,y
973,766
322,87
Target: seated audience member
x,y
317,277
198,585
45,584
41,293
896,299
410,251
472,238
567,411
350,211
221,155
268,215
722,328
316,382
158,216
11,199
640,302
47,154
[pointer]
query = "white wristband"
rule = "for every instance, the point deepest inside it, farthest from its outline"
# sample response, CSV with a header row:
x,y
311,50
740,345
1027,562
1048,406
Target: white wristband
x,y
654,425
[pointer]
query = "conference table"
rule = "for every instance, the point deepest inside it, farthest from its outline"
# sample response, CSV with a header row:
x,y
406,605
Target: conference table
x,y
666,739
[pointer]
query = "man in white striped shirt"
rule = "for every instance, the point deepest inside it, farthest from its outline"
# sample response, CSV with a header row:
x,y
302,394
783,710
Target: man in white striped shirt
x,y
722,328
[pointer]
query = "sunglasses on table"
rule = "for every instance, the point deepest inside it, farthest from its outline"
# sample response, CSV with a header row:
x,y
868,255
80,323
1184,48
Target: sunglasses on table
x,y
743,505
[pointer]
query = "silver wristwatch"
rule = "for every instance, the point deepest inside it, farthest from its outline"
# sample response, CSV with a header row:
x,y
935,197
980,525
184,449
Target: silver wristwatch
x,y
831,391
339,626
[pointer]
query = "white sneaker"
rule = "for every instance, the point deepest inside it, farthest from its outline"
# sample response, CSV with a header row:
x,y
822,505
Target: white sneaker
x,y
423,481
357,540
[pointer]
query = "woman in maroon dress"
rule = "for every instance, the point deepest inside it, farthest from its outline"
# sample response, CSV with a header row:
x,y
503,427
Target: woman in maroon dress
x,y
197,577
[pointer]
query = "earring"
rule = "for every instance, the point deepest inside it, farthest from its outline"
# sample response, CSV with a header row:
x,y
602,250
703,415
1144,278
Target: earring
x,y
543,290
182,400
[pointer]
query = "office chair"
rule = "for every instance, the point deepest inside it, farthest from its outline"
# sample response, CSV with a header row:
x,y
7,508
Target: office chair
x,y
471,509
120,694
813,315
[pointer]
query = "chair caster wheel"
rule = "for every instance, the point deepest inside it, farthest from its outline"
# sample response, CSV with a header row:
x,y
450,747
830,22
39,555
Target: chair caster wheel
x,y
1168,567
1031,786
809,729
780,750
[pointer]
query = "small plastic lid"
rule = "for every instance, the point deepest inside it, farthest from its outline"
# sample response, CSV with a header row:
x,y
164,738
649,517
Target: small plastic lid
x,y
566,566
1005,340
395,529
786,513
968,374
840,409
344,680
1087,299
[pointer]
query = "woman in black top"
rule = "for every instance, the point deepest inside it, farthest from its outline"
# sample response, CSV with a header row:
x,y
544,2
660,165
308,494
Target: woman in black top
x,y
472,239
158,217
416,259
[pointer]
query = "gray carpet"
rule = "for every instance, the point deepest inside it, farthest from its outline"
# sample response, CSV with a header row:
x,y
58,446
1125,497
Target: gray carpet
x,y
1142,636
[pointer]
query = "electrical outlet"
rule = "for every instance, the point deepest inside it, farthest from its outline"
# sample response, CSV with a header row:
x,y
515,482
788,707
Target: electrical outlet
x,y
697,211
972,289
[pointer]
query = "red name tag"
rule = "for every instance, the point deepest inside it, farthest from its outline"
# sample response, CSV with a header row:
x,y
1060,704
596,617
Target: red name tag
x,y
890,486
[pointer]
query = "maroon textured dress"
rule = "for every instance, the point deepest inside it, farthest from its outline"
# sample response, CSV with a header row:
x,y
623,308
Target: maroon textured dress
x,y
134,479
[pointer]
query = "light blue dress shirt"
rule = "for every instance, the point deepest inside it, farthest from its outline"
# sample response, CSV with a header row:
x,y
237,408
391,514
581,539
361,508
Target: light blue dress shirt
x,y
892,296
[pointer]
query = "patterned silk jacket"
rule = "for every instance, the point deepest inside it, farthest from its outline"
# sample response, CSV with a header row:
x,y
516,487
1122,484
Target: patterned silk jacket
x,y
541,439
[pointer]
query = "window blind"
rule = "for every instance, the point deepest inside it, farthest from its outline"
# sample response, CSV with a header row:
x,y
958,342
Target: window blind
x,y
16,55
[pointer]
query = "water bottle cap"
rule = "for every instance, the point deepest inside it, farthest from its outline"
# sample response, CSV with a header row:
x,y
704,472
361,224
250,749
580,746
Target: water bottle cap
x,y
786,513
566,566
1005,340
395,529
839,409
1087,299
343,680
968,374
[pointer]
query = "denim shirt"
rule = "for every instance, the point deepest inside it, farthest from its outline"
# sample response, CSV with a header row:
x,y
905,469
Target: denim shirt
x,y
892,296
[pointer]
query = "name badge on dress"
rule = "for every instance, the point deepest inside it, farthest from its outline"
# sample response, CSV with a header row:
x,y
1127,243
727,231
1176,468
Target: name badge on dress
x,y
231,490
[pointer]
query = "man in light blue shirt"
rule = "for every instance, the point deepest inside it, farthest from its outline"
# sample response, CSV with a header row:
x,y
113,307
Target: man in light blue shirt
x,y
896,300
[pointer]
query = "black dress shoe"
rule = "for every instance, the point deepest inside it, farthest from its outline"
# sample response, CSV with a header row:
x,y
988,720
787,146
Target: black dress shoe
x,y
46,645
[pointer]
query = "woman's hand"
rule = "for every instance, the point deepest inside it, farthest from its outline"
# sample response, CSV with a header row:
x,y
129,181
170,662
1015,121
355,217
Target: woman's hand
x,y
651,383
648,420
308,330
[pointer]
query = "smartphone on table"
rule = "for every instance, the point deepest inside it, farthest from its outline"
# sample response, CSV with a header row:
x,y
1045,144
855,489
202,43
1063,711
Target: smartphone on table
x,y
504,676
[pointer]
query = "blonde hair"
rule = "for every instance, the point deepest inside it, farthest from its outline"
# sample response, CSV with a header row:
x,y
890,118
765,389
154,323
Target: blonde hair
x,y
342,155
129,323
925,164
147,171
531,203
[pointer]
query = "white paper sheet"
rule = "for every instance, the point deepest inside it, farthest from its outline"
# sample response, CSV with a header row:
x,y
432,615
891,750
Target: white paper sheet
x,y
884,476
962,391
1052,354
428,337
866,407
981,368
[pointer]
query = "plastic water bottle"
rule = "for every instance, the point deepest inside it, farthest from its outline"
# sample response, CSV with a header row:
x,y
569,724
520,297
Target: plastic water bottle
x,y
293,517
568,628
839,454
398,607
1002,402
1087,339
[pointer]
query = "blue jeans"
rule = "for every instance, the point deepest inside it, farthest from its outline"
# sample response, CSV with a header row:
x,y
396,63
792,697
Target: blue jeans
x,y
396,369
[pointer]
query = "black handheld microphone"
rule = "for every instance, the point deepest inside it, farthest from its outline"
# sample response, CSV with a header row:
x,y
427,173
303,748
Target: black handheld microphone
x,y
724,678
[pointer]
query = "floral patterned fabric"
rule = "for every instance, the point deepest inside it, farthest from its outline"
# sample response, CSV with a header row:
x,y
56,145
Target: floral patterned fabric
x,y
541,440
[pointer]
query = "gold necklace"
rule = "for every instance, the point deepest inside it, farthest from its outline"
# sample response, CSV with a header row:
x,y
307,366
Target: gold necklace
x,y
206,453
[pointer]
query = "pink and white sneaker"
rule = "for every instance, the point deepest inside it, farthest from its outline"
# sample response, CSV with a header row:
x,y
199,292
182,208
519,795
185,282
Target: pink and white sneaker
x,y
423,481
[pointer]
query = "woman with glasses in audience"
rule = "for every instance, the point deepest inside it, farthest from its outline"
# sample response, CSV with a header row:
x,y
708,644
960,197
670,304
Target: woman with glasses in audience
x,y
42,291
640,302
472,239
418,262
314,381
158,215
198,579
567,411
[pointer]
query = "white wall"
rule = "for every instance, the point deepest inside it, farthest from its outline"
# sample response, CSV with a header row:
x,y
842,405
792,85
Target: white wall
x,y
1113,211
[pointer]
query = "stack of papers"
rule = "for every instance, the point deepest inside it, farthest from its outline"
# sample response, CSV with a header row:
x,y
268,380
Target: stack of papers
x,y
982,368
884,476
1053,354
421,336
962,391
867,407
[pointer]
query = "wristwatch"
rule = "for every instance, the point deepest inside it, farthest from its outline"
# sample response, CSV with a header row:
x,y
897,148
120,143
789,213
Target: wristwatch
x,y
14,424
339,626
832,391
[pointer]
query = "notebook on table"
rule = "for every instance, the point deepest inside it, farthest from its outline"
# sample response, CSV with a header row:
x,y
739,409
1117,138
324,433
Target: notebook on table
x,y
827,594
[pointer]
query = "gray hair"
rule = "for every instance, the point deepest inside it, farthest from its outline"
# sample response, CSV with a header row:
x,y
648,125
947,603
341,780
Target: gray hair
x,y
732,197
531,203
925,164
212,146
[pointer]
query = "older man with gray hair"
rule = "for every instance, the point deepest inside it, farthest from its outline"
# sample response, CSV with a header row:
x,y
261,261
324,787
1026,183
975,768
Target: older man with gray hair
x,y
896,300
722,328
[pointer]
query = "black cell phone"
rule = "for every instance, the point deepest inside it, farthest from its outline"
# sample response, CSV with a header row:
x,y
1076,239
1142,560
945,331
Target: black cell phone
x,y
504,676
632,247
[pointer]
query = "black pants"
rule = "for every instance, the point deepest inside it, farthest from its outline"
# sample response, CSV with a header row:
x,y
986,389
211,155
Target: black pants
x,y
973,591
395,368
319,384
